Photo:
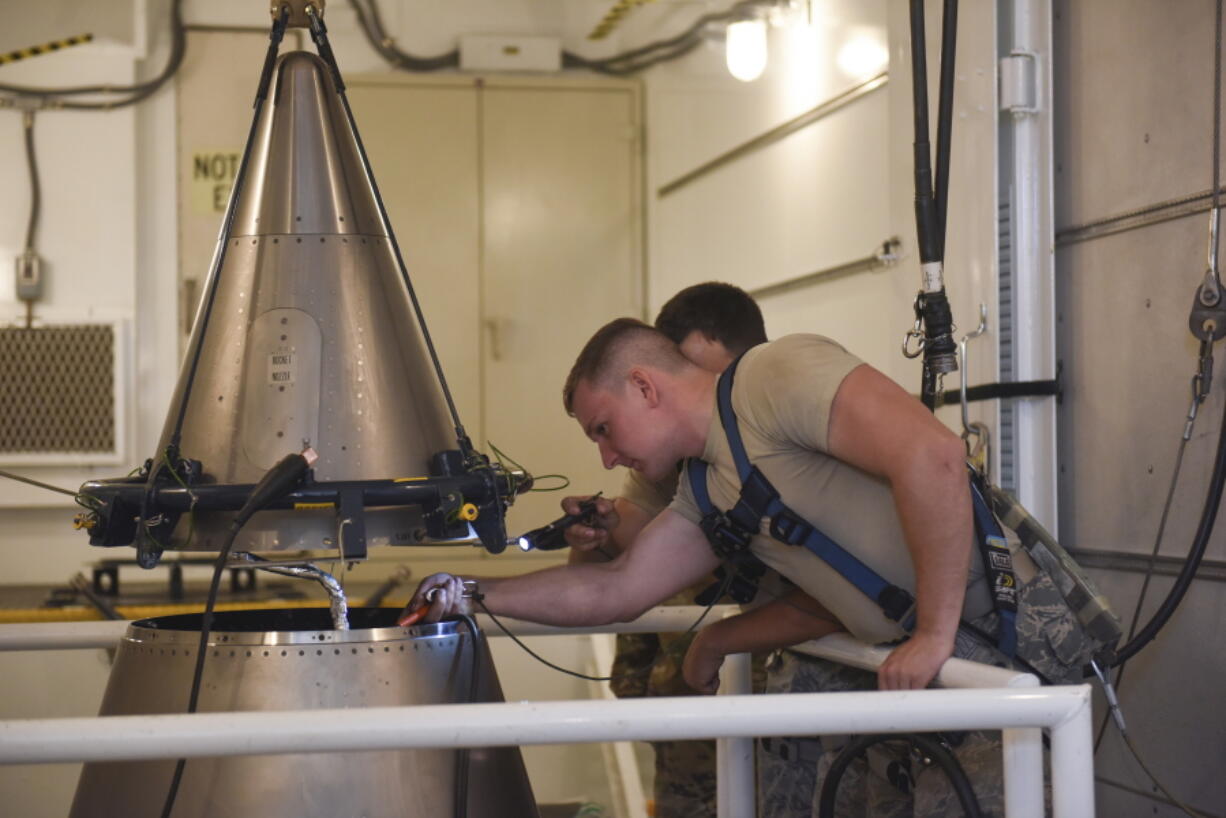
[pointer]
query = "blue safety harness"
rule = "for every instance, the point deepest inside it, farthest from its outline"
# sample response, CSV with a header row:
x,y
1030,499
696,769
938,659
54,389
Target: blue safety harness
x,y
731,532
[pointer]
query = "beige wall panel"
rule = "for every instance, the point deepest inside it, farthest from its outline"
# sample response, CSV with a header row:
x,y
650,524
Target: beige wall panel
x,y
562,258
422,144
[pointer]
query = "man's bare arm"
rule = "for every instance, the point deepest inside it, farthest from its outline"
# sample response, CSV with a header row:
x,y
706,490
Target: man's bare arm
x,y
878,427
793,618
670,554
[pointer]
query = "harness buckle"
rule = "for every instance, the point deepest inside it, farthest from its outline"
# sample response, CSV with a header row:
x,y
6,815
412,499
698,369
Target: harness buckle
x,y
789,528
727,539
895,602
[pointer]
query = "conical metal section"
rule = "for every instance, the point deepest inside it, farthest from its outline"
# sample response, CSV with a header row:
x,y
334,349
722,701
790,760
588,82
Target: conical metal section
x,y
291,660
311,336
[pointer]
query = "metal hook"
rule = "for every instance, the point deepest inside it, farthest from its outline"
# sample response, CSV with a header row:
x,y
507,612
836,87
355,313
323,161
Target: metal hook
x,y
967,428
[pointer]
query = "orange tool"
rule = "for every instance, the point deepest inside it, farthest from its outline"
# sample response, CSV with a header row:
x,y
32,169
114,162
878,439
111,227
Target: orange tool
x,y
414,616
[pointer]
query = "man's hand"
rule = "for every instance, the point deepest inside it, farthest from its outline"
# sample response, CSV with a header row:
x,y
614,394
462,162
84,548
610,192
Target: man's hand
x,y
586,537
443,593
914,663
702,663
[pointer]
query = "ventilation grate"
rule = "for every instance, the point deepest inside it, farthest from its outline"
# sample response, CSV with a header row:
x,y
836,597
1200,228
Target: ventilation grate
x,y
57,389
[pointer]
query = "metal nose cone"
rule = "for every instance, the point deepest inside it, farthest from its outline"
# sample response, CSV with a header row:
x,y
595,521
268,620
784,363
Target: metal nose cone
x,y
306,333
306,176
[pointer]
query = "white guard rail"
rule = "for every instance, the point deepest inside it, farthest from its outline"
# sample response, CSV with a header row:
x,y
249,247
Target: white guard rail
x,y
990,698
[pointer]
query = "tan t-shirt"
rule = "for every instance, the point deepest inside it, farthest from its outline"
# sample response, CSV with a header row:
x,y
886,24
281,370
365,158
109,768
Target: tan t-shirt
x,y
782,398
653,496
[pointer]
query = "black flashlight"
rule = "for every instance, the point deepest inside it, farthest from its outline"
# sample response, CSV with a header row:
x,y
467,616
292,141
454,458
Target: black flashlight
x,y
553,536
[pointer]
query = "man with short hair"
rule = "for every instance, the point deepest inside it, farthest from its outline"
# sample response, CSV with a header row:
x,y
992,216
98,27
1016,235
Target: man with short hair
x,y
712,324
849,452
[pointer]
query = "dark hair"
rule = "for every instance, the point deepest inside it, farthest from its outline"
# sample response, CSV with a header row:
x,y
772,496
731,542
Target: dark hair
x,y
614,348
719,311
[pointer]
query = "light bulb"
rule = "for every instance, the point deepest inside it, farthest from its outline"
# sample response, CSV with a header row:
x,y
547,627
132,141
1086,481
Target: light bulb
x,y
746,49
863,56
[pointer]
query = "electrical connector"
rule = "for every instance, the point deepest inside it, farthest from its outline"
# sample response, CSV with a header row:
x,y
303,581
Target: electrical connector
x,y
29,276
277,481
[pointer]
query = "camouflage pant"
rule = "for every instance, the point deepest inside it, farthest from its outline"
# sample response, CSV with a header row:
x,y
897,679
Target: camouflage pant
x,y
1049,638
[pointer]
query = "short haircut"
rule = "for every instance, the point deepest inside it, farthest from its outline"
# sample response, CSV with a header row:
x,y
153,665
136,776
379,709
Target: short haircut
x,y
617,347
719,311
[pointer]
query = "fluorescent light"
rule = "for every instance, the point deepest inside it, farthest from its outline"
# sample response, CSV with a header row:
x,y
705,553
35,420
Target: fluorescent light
x,y
746,49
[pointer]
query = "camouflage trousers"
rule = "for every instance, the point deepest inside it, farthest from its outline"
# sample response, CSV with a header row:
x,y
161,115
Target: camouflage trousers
x,y
649,664
887,782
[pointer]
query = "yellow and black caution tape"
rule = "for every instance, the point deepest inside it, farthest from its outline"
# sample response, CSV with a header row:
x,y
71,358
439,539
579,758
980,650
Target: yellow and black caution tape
x,y
45,48
613,16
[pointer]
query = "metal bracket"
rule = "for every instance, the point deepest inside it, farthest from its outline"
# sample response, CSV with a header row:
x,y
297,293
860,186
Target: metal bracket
x,y
351,525
1019,83
298,15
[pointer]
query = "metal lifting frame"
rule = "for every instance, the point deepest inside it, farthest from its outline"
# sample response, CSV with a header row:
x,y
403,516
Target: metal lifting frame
x,y
986,698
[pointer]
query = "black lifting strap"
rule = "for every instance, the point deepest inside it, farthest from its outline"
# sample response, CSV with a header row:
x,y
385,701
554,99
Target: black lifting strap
x,y
730,533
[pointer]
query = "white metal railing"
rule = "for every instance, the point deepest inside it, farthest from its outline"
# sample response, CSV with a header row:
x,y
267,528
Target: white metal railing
x,y
1004,700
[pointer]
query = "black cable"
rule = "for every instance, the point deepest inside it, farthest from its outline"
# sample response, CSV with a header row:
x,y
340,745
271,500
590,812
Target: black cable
x,y
136,92
277,481
618,677
474,688
1136,611
925,205
627,62
35,187
319,33
206,625
1217,124
274,42
933,749
1196,553
945,108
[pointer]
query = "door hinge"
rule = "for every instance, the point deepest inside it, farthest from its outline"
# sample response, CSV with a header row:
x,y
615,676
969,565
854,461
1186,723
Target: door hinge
x,y
1019,83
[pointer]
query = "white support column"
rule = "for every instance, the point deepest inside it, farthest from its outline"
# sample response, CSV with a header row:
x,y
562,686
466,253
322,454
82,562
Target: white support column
x,y
1072,762
735,792
1034,236
1023,763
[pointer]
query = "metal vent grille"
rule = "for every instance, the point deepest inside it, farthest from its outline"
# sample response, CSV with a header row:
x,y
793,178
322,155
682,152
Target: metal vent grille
x,y
57,389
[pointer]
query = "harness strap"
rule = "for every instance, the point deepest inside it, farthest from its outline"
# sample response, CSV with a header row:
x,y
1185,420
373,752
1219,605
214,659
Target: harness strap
x,y
731,533
998,570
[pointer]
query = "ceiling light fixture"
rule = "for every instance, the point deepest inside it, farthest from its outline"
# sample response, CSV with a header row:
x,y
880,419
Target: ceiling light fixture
x,y
745,46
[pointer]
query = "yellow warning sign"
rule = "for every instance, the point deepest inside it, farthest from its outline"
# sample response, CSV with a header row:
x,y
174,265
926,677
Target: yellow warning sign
x,y
211,176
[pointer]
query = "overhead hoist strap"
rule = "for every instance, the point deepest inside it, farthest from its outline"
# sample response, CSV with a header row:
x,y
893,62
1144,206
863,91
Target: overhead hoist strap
x,y
730,532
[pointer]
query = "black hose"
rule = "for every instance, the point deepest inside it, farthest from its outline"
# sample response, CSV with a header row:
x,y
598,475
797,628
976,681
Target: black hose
x,y
319,33
933,749
474,688
35,188
206,626
945,116
274,43
1196,553
925,206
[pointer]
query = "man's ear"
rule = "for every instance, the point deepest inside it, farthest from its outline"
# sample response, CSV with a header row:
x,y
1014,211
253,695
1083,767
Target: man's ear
x,y
644,383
